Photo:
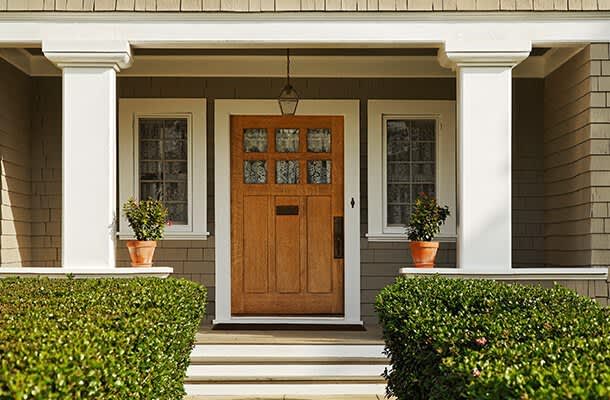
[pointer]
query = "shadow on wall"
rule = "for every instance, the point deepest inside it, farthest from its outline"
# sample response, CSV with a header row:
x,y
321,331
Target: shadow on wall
x,y
15,134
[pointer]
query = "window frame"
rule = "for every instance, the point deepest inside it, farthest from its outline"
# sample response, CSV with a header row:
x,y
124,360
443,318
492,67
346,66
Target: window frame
x,y
194,110
379,112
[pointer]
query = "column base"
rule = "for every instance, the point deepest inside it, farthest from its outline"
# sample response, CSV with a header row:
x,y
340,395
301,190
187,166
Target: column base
x,y
79,273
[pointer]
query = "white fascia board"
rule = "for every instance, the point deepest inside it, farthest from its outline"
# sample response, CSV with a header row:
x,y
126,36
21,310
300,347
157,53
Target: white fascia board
x,y
303,29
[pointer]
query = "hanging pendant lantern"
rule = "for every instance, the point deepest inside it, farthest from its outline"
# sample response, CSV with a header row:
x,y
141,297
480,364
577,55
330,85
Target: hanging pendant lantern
x,y
289,98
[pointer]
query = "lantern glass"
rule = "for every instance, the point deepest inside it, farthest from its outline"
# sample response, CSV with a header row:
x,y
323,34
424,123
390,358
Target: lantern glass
x,y
288,100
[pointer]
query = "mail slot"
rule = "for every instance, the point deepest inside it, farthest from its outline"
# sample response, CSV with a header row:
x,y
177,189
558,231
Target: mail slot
x,y
286,210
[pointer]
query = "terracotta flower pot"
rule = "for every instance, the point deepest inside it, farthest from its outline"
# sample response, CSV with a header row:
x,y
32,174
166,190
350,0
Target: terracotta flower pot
x,y
141,252
424,254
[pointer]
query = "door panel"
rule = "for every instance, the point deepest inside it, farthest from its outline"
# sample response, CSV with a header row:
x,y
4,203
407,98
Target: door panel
x,y
286,191
256,250
288,244
319,244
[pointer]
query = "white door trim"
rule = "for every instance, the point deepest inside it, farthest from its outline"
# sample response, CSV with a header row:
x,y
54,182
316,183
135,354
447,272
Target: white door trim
x,y
350,110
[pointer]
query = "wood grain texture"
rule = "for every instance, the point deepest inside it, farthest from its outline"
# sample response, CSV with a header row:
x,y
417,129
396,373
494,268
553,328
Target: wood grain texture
x,y
282,259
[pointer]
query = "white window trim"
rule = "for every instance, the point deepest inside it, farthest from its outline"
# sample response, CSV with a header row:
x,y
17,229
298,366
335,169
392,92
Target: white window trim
x,y
130,110
350,110
443,111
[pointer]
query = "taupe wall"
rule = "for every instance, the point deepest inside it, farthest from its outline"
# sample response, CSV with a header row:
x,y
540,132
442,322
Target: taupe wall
x,y
528,173
15,133
46,173
577,160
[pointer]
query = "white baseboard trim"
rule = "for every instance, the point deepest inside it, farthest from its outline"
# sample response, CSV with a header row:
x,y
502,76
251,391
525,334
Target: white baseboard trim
x,y
85,272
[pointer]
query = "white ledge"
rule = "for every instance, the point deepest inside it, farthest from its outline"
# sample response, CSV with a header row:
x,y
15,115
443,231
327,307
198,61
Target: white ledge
x,y
169,236
397,237
515,273
86,272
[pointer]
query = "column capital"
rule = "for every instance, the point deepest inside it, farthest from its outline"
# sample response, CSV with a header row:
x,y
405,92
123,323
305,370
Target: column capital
x,y
479,53
114,54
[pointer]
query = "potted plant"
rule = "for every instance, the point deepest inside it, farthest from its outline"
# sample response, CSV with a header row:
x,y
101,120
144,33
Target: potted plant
x,y
425,223
147,219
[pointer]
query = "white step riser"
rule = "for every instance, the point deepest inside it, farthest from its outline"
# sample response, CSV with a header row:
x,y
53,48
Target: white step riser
x,y
283,371
277,389
287,351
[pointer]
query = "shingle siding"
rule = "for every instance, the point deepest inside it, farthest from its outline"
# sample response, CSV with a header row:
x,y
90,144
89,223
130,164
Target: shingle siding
x,y
15,173
301,5
577,161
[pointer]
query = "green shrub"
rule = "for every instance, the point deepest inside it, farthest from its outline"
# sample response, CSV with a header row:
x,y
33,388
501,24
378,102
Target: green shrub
x,y
426,219
147,218
479,339
97,338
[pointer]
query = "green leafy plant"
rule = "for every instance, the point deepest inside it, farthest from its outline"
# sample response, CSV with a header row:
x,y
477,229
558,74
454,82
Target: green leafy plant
x,y
111,339
147,218
480,339
426,219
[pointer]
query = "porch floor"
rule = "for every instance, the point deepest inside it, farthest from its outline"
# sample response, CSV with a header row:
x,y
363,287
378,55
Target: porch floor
x,y
371,336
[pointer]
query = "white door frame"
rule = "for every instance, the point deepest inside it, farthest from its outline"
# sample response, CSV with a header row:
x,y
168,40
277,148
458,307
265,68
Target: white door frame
x,y
349,109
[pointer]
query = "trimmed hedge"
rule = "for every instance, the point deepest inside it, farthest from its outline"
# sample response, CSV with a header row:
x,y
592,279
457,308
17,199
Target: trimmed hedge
x,y
97,338
480,339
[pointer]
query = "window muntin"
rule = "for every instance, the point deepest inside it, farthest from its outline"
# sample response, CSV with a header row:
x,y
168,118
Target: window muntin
x,y
410,165
163,164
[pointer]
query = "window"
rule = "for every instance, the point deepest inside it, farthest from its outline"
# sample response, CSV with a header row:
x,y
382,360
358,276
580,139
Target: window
x,y
162,156
411,149
410,166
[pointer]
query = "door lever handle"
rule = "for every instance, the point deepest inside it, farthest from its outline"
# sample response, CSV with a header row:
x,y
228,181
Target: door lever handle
x,y
338,239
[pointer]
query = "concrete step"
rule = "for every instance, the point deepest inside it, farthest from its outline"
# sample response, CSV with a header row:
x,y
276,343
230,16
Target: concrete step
x,y
273,353
299,390
251,370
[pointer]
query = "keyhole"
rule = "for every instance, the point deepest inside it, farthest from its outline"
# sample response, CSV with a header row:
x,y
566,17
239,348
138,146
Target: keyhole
x,y
353,202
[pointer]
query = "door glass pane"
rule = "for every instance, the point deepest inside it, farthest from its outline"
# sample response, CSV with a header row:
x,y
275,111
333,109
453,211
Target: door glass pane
x,y
287,171
255,171
255,140
318,140
286,140
318,171
410,165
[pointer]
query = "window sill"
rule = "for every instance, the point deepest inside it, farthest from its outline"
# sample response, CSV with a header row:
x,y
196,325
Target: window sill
x,y
396,237
514,273
170,236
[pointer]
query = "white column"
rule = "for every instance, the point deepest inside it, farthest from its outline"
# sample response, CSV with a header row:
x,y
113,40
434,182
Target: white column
x,y
89,149
484,104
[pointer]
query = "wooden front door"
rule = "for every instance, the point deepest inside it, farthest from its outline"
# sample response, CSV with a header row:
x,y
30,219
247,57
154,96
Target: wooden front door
x,y
287,215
